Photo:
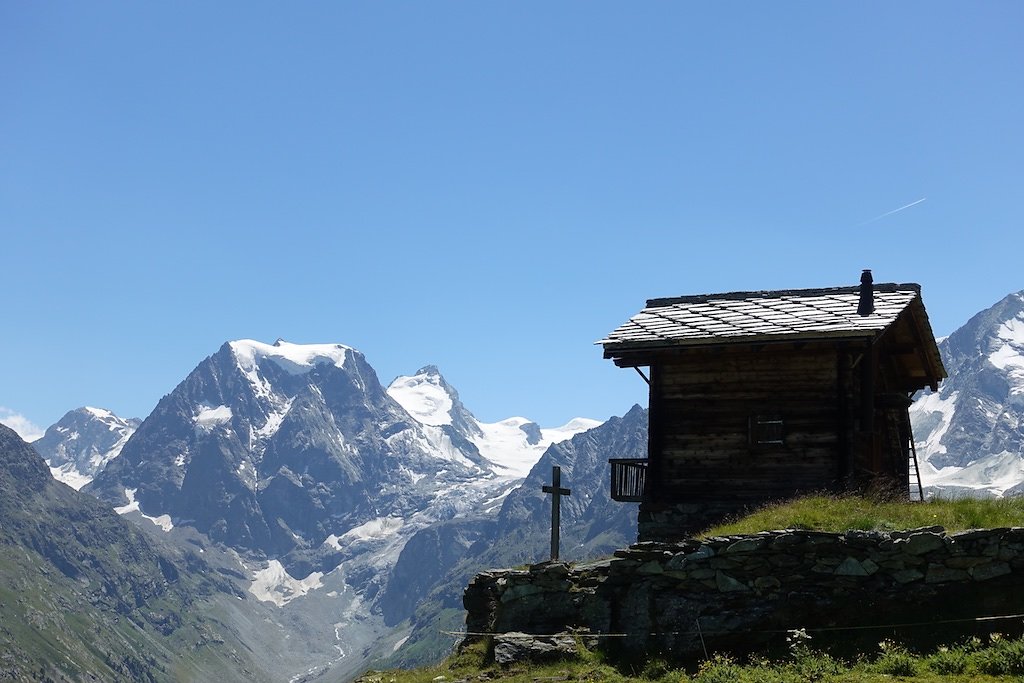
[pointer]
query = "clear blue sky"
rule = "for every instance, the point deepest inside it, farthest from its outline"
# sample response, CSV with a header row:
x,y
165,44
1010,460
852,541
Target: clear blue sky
x,y
488,187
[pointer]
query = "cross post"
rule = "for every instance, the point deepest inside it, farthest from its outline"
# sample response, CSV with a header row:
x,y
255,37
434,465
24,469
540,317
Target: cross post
x,y
556,492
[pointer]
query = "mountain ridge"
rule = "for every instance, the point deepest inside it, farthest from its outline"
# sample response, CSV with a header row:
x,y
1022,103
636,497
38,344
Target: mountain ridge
x,y
82,590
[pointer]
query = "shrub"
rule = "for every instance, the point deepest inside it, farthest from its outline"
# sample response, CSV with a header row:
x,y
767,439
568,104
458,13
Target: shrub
x,y
813,667
655,668
948,661
1001,658
719,669
895,660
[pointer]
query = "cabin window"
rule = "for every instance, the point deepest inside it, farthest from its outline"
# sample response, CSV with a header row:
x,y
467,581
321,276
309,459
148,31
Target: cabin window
x,y
766,430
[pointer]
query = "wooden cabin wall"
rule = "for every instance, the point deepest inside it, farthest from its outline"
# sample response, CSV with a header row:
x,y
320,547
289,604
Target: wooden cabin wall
x,y
701,404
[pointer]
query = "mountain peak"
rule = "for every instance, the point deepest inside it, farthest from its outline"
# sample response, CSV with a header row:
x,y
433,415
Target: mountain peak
x,y
967,431
82,442
426,396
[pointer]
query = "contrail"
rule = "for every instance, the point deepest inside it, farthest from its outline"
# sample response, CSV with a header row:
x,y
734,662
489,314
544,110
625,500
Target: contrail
x,y
889,213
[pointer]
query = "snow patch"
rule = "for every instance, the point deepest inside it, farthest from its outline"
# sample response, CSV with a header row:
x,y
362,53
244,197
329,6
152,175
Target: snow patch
x,y
162,521
274,584
296,359
1009,356
492,504
991,475
274,419
507,446
67,474
1005,356
569,429
100,413
375,529
439,443
424,398
132,506
207,417
934,406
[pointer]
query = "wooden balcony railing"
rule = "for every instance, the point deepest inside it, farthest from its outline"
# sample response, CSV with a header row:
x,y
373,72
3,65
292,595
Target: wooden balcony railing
x,y
628,479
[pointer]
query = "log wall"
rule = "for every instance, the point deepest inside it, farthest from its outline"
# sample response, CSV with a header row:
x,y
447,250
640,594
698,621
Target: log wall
x,y
703,403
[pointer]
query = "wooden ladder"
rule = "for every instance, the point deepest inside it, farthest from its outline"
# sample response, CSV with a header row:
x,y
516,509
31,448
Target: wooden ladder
x,y
916,472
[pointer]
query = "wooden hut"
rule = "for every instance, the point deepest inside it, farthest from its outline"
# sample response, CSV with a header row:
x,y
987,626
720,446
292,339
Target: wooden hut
x,y
762,396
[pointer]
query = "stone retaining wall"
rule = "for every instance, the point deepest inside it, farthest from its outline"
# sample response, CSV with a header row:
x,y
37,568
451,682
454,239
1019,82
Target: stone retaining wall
x,y
743,593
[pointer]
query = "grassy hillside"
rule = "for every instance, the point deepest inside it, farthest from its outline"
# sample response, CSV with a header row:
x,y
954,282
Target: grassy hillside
x,y
86,596
825,513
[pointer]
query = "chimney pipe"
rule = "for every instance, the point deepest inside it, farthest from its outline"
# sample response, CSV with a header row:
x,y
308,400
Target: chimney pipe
x,y
866,306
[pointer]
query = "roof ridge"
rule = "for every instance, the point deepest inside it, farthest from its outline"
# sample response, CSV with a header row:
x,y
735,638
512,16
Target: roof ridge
x,y
776,293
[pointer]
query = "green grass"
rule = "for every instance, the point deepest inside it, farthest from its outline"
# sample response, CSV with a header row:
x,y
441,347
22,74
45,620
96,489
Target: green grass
x,y
999,660
825,513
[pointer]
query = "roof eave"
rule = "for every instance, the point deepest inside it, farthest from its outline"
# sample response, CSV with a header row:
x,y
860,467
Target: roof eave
x,y
623,349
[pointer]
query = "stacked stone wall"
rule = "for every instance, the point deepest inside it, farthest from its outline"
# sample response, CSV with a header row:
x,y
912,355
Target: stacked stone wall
x,y
743,593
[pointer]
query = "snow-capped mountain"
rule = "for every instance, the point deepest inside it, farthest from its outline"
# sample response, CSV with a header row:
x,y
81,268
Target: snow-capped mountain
x,y
82,442
512,446
970,434
295,457
297,462
278,448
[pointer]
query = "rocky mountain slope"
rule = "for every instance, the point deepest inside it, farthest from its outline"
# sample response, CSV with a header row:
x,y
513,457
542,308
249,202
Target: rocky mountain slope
x,y
592,526
85,595
82,442
970,434
298,460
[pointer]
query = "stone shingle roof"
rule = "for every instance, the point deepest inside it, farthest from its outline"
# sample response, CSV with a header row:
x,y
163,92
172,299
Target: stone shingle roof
x,y
752,316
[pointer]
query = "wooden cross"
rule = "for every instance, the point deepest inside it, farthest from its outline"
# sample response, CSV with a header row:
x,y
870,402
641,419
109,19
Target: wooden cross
x,y
556,492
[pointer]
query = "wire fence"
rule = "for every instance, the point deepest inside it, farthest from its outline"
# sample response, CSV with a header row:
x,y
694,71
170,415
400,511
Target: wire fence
x,y
701,632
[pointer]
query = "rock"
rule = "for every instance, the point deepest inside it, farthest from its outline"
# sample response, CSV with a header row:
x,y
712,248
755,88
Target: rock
x,y
523,647
702,573
920,543
940,573
784,560
680,560
989,571
965,562
907,576
520,591
727,584
745,545
850,567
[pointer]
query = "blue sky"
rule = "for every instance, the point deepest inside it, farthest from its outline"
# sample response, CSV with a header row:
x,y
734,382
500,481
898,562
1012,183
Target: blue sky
x,y
488,187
